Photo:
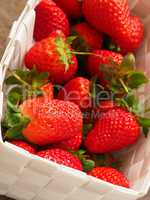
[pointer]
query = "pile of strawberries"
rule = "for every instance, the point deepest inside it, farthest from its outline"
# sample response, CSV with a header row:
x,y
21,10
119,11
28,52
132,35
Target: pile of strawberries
x,y
75,103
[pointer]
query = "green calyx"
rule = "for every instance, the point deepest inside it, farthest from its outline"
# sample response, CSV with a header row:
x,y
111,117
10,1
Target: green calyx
x,y
21,85
123,80
64,50
86,129
124,77
87,163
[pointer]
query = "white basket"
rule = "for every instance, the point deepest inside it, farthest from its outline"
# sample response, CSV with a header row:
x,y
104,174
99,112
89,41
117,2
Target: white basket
x,y
27,177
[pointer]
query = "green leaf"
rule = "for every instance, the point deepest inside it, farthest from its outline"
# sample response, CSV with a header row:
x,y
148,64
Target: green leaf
x,y
133,103
144,122
122,102
70,39
137,79
145,131
64,52
16,131
27,78
15,95
35,93
12,106
88,165
40,80
11,119
79,153
11,80
86,129
128,62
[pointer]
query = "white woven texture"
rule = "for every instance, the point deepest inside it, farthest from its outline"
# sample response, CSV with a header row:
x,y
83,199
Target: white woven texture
x,y
27,177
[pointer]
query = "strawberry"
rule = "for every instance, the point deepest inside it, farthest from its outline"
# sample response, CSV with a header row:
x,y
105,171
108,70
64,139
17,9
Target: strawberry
x,y
103,106
24,146
114,18
103,57
73,8
106,105
87,38
49,18
78,91
61,157
50,121
73,143
48,91
110,175
117,124
53,55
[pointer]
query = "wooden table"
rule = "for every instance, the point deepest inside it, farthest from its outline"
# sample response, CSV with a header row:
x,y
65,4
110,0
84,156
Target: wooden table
x,y
9,10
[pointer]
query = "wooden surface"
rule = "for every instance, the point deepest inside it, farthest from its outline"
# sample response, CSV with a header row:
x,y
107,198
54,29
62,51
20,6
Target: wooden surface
x,y
9,10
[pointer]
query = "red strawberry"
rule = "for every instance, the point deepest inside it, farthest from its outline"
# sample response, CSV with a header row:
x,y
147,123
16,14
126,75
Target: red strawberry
x,y
113,17
88,39
94,114
54,56
110,175
104,57
103,106
48,91
49,18
77,91
73,143
61,157
106,105
116,129
73,8
50,121
24,146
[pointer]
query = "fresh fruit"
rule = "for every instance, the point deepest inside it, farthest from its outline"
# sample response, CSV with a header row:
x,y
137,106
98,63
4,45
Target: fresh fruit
x,y
114,18
50,121
53,55
78,91
48,91
73,8
61,157
87,38
72,143
49,18
104,57
110,175
117,125
28,84
105,105
24,146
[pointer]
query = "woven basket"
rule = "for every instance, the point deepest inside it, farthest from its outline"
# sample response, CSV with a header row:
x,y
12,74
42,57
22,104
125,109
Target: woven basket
x,y
27,177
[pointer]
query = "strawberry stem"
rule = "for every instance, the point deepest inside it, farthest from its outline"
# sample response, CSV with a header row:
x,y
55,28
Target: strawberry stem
x,y
20,80
86,53
124,86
